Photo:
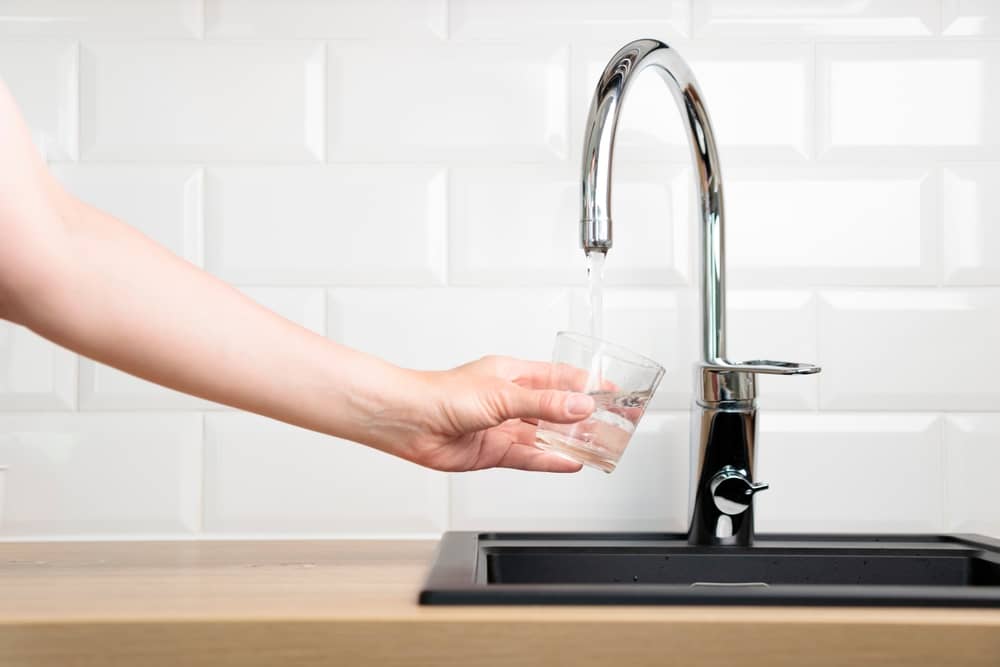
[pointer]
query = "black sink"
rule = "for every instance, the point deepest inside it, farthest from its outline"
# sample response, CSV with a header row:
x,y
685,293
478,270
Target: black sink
x,y
657,568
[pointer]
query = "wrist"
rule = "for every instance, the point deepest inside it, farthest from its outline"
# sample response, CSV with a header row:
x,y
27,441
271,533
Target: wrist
x,y
384,404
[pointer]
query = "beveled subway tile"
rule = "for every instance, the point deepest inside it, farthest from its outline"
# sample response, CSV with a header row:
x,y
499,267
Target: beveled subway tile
x,y
909,349
272,108
971,237
439,328
263,476
98,18
792,18
874,100
96,476
647,491
849,473
482,102
161,201
534,237
327,19
749,125
35,374
831,225
780,325
568,19
970,17
106,388
972,455
42,77
313,225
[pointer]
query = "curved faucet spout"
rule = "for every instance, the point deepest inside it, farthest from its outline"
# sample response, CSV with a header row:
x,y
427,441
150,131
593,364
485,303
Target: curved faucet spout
x,y
599,143
724,416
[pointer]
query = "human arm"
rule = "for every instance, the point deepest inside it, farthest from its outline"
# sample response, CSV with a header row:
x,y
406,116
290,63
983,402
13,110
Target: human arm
x,y
91,283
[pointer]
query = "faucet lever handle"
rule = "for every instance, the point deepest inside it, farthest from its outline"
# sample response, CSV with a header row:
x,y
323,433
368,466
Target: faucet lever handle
x,y
764,366
732,491
722,380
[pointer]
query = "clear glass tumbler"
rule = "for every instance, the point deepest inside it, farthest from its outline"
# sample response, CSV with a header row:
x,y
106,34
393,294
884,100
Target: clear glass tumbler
x,y
621,383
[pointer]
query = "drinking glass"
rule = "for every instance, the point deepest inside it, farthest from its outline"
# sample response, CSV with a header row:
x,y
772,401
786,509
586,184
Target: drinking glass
x,y
621,383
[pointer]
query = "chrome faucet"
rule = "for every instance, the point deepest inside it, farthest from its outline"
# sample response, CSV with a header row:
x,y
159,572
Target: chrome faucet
x,y
724,416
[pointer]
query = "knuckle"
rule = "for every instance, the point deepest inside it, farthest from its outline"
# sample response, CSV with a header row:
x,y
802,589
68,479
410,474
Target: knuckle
x,y
496,364
500,404
548,403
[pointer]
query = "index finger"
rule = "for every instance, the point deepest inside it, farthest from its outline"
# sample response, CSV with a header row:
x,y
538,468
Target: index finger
x,y
546,375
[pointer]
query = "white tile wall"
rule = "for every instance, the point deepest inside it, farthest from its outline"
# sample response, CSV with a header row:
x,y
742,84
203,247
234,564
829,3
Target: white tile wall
x,y
877,100
582,19
402,176
264,476
971,457
77,475
832,225
970,235
42,76
486,103
298,225
909,349
795,18
442,328
34,373
99,18
970,17
850,472
150,101
328,19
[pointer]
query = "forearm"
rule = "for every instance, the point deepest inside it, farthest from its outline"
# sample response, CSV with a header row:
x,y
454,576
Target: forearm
x,y
115,296
91,283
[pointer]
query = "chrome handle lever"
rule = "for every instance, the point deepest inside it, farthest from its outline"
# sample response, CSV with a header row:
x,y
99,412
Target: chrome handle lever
x,y
764,366
732,491
723,381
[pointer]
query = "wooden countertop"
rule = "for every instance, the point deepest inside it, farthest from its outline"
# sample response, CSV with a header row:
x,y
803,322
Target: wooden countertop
x,y
354,603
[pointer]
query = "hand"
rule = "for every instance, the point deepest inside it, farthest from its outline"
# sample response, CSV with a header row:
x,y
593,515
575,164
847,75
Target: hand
x,y
483,415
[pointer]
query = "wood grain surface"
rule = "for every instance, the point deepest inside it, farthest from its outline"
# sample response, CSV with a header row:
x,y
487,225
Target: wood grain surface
x,y
354,603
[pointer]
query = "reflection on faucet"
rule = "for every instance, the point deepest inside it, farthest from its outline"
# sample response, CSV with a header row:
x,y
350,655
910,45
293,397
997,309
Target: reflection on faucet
x,y
724,418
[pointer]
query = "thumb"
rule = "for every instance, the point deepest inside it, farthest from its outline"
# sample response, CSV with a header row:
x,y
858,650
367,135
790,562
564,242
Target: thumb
x,y
561,407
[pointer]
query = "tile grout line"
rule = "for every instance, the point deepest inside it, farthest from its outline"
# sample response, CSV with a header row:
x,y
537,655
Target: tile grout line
x,y
202,492
325,102
939,227
78,103
944,512
449,222
819,353
814,123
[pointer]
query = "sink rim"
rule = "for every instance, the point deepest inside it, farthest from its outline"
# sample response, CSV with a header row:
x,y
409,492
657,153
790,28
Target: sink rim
x,y
457,578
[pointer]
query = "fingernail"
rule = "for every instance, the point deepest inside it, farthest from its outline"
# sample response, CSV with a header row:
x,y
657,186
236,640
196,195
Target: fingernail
x,y
579,404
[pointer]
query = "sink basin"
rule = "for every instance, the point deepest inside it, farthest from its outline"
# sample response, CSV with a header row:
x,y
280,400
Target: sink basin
x,y
657,568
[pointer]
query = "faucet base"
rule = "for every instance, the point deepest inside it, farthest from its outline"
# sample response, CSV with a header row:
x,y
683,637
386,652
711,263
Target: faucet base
x,y
723,456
